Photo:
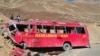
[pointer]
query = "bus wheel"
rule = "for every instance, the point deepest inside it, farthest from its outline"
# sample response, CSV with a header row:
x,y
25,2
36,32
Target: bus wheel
x,y
67,46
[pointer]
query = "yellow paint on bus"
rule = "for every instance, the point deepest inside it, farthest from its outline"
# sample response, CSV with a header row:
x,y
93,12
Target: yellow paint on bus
x,y
50,35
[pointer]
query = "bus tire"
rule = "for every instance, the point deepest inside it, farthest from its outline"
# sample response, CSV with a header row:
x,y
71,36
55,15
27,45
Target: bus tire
x,y
67,46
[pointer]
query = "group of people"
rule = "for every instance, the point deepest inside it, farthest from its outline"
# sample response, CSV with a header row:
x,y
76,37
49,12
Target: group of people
x,y
17,17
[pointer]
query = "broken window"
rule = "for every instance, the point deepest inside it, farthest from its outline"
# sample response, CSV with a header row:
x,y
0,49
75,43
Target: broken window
x,y
80,30
22,27
11,27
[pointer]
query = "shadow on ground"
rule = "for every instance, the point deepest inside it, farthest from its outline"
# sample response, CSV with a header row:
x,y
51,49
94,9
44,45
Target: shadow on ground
x,y
50,51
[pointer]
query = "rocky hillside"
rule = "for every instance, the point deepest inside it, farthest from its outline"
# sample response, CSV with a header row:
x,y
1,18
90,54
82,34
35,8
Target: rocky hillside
x,y
51,9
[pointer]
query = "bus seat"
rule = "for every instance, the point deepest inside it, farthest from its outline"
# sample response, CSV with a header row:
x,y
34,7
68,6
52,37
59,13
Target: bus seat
x,y
61,31
52,31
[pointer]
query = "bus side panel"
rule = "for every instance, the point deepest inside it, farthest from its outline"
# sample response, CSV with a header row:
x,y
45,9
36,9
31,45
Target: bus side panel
x,y
83,39
18,37
51,41
73,39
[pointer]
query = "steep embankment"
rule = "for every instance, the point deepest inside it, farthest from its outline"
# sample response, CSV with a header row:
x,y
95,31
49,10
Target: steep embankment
x,y
94,31
5,45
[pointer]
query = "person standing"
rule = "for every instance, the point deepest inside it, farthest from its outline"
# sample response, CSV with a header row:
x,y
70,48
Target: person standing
x,y
18,18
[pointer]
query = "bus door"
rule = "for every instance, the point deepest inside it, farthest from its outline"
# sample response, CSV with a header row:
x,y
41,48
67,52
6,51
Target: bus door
x,y
81,36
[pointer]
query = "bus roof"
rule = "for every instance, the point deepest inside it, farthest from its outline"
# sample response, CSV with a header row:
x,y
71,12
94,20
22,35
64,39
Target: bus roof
x,y
51,23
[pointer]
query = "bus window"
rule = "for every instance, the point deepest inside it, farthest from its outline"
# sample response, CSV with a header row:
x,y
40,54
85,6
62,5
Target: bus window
x,y
60,29
52,31
39,28
49,29
11,27
22,27
70,30
80,30
45,29
31,26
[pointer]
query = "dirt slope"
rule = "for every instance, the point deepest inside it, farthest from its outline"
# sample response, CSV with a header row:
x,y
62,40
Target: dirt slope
x,y
94,31
67,11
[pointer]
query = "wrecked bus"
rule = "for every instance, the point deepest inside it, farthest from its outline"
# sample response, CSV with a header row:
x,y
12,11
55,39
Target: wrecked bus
x,y
43,34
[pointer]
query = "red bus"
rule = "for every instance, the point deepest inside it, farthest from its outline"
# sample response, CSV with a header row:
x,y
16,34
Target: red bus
x,y
38,34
